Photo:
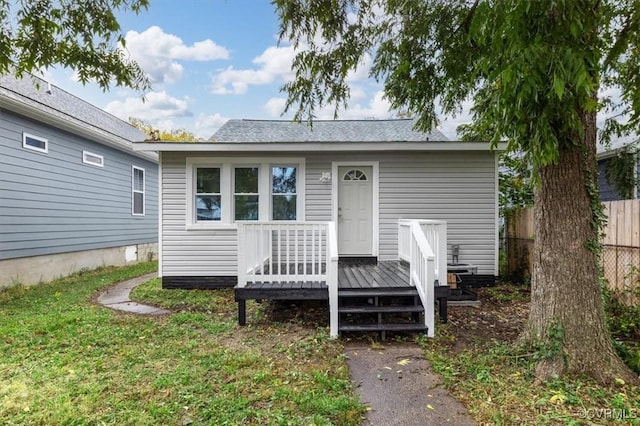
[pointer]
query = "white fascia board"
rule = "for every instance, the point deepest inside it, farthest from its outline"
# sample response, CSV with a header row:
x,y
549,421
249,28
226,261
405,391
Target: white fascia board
x,y
67,124
608,154
315,146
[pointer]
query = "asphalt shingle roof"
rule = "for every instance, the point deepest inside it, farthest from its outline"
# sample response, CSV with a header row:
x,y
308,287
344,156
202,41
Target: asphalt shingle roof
x,y
265,131
64,105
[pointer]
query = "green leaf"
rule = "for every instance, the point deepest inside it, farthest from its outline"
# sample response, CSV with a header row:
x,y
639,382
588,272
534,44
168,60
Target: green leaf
x,y
558,86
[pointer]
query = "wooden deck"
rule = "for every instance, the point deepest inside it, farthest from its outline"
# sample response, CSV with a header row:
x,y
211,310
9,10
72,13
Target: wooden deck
x,y
378,279
389,274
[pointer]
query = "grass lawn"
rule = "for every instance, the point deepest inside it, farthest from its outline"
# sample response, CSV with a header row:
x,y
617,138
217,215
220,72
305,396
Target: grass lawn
x,y
66,360
481,364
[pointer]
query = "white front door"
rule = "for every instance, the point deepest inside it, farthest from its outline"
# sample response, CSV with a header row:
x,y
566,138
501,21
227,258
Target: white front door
x,y
355,210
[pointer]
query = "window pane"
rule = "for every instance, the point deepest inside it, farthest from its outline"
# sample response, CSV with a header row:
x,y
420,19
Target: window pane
x,y
283,180
246,207
138,180
35,143
246,181
284,207
208,181
208,207
138,203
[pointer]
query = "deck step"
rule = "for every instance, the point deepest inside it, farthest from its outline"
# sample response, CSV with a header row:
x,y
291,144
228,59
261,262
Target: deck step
x,y
372,292
379,309
383,327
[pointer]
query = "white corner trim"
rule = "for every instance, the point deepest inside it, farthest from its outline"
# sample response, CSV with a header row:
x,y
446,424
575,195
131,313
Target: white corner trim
x,y
496,255
160,215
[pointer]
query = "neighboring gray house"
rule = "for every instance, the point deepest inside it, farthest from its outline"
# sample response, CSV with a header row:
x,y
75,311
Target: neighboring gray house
x,y
605,154
73,193
261,192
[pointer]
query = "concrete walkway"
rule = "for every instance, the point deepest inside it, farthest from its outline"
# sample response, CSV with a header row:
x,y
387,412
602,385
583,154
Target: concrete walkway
x,y
397,383
118,298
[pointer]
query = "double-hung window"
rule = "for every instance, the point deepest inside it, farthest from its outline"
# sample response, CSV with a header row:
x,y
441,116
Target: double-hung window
x,y
246,193
137,191
283,193
223,190
208,198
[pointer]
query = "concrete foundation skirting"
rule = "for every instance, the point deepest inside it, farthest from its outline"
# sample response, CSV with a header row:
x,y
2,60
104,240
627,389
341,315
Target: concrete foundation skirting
x,y
39,269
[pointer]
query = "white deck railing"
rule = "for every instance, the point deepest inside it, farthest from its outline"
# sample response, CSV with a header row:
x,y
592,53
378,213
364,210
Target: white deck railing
x,y
423,243
435,231
281,251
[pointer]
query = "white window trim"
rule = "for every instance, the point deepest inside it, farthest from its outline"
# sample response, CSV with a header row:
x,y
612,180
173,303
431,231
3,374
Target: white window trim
x,y
195,192
133,191
85,160
375,167
227,165
271,194
35,148
232,205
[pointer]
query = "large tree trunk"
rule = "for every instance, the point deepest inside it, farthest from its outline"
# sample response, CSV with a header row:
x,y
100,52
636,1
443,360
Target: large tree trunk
x,y
567,313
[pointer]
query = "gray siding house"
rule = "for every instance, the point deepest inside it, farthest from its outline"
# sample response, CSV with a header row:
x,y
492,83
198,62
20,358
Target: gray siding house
x,y
412,175
73,193
607,191
273,203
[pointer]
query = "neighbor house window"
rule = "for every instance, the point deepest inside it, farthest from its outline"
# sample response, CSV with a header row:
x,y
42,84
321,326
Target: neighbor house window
x,y
245,193
137,191
35,143
283,193
208,201
92,159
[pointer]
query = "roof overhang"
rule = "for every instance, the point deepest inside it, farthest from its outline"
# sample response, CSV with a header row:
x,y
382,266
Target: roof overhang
x,y
608,154
66,124
315,146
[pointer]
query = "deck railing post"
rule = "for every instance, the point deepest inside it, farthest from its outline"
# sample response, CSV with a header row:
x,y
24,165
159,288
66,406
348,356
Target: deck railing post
x,y
429,314
332,277
422,272
442,254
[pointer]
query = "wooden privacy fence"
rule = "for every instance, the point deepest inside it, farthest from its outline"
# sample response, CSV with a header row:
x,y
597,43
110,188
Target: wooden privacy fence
x,y
620,257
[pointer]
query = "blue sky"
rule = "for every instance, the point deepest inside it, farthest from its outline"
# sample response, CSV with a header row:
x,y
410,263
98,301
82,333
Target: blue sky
x,y
211,60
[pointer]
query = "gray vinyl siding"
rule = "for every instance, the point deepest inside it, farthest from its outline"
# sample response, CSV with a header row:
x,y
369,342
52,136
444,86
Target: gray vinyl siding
x,y
607,191
318,194
458,187
53,203
199,252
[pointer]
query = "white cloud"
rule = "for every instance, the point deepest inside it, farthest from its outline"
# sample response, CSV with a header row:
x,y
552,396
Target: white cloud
x,y
158,106
378,107
356,93
275,106
449,124
207,125
361,73
274,64
158,52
